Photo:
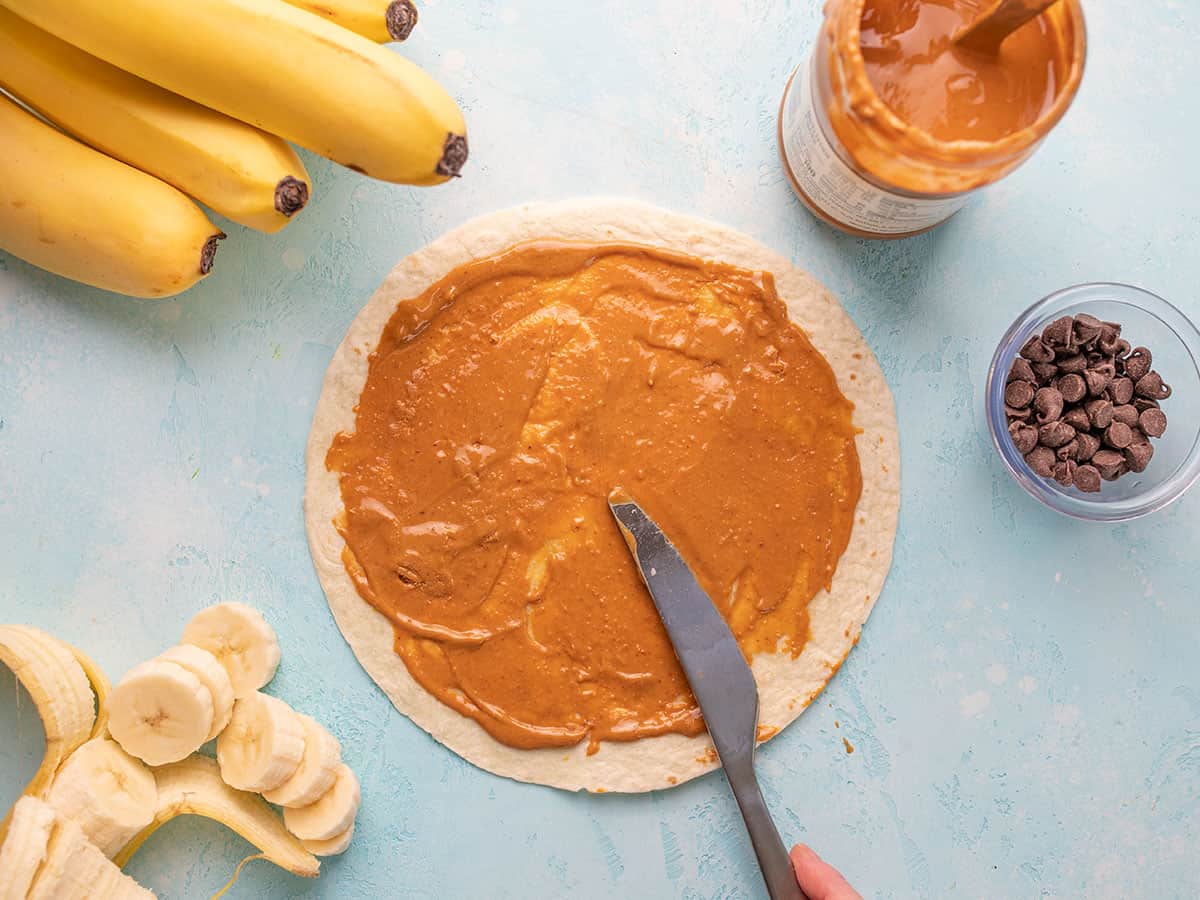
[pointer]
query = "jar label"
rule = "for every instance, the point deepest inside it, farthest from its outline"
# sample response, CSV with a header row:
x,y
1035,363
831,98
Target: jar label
x,y
838,190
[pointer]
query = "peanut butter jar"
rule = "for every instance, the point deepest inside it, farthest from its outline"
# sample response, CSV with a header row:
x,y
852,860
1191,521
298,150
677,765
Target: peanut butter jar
x,y
890,126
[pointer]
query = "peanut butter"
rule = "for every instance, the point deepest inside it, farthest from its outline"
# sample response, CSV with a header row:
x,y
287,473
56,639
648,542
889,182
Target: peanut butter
x,y
891,126
956,94
500,409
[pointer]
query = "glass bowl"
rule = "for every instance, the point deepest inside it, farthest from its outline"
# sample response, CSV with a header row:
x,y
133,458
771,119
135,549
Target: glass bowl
x,y
1147,321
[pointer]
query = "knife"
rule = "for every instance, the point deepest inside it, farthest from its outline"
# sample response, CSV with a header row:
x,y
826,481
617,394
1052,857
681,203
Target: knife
x,y
719,676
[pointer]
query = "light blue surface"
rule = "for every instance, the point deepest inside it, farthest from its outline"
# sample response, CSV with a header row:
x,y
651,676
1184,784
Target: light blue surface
x,y
1025,701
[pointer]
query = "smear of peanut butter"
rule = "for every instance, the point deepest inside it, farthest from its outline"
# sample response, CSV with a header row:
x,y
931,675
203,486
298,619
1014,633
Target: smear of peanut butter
x,y
502,406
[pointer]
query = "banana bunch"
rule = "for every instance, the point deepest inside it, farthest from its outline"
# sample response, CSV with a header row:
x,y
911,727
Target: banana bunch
x,y
122,761
131,114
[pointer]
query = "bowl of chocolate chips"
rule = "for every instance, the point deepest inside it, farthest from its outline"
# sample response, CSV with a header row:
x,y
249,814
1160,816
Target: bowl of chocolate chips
x,y
1093,402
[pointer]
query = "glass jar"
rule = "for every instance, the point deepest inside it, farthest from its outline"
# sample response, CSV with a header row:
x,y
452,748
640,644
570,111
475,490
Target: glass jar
x,y
861,168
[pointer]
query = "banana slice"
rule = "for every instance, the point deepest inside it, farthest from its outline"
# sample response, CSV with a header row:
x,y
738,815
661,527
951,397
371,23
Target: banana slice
x,y
209,670
107,792
241,640
332,847
194,787
59,689
263,745
318,768
160,712
24,848
329,816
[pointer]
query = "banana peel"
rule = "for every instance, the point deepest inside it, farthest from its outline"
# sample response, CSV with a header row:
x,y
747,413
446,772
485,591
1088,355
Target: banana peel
x,y
61,691
193,786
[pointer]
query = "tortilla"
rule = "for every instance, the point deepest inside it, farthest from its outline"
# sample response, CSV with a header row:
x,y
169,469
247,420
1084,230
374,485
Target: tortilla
x,y
786,685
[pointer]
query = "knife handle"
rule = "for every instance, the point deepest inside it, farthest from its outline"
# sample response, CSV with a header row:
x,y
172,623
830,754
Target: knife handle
x,y
772,855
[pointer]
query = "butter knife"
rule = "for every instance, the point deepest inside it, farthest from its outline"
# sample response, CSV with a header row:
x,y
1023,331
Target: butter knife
x,y
719,677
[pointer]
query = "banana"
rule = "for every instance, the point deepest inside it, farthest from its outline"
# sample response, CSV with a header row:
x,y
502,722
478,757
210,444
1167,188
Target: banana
x,y
282,69
244,174
377,20
76,212
209,670
318,768
332,847
59,689
54,879
107,792
263,745
46,856
241,640
24,847
160,712
329,816
193,786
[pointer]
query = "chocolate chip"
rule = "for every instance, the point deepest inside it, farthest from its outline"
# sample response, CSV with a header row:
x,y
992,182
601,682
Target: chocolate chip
x,y
1126,414
1072,387
1120,390
1060,333
1018,415
1077,418
1118,435
1153,422
1019,394
1138,363
1122,349
1074,364
1044,372
1064,472
1087,328
1114,473
1142,404
1087,479
1021,370
1035,350
1096,380
1048,402
1107,459
1100,411
1055,434
1041,460
1088,445
1151,387
1069,450
1137,456
1024,437
1110,333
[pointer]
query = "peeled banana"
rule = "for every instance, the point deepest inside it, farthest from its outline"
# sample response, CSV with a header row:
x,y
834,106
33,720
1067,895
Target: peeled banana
x,y
193,786
318,769
378,20
105,791
66,208
212,675
46,856
249,176
281,69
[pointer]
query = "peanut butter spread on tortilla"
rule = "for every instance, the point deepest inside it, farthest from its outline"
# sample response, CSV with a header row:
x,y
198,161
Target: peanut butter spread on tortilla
x,y
500,409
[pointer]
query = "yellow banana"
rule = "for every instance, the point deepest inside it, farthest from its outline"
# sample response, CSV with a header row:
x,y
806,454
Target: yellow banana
x,y
280,68
378,20
76,212
249,176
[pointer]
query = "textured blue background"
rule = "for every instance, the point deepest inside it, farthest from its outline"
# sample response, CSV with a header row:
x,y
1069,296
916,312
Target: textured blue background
x,y
1025,702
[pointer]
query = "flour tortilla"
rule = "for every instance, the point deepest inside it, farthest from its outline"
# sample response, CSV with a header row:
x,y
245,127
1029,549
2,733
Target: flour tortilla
x,y
785,685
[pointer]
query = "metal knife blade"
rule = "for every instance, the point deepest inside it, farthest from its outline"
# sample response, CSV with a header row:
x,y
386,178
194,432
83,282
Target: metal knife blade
x,y
718,674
